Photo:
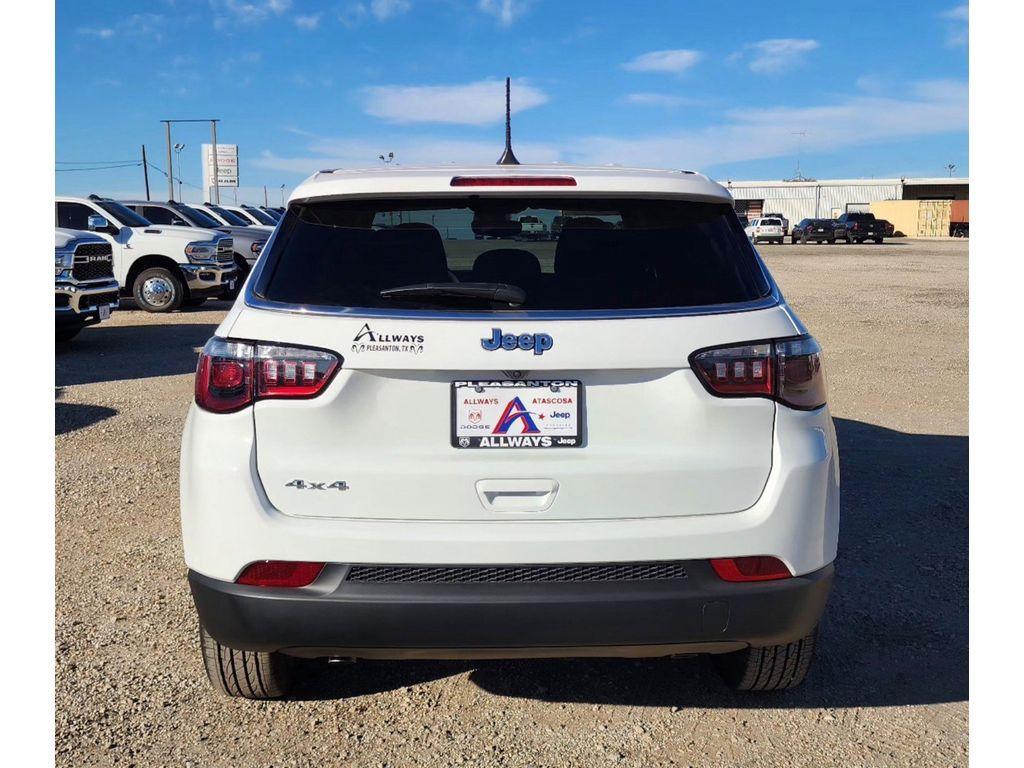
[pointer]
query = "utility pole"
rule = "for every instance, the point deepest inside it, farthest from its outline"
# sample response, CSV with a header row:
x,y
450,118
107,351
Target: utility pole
x,y
216,174
145,170
282,195
265,203
170,169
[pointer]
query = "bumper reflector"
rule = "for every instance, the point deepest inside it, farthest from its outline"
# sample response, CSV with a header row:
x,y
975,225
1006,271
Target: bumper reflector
x,y
754,568
280,573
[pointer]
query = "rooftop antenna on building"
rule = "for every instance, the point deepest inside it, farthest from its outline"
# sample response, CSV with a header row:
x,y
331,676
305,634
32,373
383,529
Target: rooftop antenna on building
x,y
508,157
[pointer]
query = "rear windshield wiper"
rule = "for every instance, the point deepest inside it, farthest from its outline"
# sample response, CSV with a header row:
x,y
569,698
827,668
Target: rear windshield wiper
x,y
457,293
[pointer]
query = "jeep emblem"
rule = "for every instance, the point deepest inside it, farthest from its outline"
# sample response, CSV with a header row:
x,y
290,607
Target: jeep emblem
x,y
538,342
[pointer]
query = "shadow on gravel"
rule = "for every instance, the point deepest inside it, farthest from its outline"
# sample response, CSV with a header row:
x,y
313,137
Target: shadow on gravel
x,y
115,353
895,631
71,416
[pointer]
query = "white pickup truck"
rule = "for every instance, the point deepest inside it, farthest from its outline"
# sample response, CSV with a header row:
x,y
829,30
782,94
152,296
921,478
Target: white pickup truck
x,y
161,267
85,290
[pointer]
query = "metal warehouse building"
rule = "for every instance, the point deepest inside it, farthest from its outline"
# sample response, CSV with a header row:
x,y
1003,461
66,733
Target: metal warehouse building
x,y
827,199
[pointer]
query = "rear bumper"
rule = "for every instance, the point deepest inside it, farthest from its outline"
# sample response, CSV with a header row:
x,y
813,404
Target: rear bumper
x,y
334,617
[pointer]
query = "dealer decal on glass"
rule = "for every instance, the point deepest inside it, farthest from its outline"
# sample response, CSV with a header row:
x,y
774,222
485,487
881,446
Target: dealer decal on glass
x,y
517,414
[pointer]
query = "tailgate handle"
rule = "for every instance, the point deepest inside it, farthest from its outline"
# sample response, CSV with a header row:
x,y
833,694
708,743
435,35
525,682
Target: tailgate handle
x,y
515,495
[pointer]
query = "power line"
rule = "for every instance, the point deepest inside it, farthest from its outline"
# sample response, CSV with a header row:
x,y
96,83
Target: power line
x,y
92,162
99,167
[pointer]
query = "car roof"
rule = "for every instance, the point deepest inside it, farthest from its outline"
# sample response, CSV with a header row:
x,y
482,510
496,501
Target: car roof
x,y
437,180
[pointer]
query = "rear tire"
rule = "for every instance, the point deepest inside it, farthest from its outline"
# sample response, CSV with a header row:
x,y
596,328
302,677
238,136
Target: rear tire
x,y
158,290
774,668
878,240
245,674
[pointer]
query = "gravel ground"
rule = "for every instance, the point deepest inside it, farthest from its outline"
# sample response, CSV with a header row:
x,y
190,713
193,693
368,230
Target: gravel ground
x,y
890,682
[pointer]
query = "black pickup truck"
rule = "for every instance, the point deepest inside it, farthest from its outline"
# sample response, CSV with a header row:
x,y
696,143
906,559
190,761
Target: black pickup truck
x,y
864,226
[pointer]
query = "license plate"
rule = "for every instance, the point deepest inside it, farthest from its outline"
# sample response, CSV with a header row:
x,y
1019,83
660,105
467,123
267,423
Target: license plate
x,y
231,285
517,414
819,230
104,312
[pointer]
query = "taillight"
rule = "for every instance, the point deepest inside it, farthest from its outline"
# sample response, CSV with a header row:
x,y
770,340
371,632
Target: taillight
x,y
234,374
279,573
513,181
754,568
787,370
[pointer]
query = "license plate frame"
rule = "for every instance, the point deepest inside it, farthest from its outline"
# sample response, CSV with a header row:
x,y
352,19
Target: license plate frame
x,y
553,407
104,311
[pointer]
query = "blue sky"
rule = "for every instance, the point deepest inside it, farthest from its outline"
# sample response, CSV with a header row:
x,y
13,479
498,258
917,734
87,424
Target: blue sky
x,y
725,88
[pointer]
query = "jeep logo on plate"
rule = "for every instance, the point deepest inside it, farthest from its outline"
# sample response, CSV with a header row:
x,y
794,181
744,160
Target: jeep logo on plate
x,y
538,342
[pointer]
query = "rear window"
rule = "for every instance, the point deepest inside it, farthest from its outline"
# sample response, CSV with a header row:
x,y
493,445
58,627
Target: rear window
x,y
771,222
590,255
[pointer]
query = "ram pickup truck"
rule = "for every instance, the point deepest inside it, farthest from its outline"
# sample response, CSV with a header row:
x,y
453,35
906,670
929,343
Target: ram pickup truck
x,y
162,267
861,226
248,241
85,291
231,218
252,215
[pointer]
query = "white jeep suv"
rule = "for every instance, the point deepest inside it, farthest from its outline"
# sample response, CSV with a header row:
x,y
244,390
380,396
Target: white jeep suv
x,y
162,267
417,436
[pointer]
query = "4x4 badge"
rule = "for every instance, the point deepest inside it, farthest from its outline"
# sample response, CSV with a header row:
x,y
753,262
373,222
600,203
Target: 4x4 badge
x,y
538,342
337,485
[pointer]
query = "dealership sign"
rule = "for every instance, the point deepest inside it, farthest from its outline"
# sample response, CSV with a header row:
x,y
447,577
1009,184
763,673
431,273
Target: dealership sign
x,y
227,165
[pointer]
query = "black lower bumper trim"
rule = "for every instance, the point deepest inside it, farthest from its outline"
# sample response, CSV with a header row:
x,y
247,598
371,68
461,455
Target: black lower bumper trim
x,y
333,617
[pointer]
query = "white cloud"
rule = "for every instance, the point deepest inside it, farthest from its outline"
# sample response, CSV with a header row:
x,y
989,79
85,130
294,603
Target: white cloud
x,y
308,22
135,24
926,108
675,61
104,33
770,57
476,103
227,12
383,10
929,108
506,11
423,150
666,100
956,24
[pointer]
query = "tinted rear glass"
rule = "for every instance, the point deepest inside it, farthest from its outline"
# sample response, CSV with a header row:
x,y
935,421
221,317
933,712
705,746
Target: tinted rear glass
x,y
589,254
771,222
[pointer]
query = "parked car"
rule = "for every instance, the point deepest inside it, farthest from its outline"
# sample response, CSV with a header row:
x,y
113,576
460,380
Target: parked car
x,y
532,228
247,241
271,212
252,215
861,226
780,217
85,291
448,435
765,230
818,230
161,267
230,218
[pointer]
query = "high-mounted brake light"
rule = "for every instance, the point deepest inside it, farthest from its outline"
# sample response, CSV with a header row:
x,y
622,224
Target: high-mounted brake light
x,y
755,568
279,573
233,374
513,181
787,370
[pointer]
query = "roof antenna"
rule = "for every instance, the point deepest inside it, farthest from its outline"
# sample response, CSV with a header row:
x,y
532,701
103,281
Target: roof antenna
x,y
508,157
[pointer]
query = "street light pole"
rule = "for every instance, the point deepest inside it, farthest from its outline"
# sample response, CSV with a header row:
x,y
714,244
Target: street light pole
x,y
282,195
